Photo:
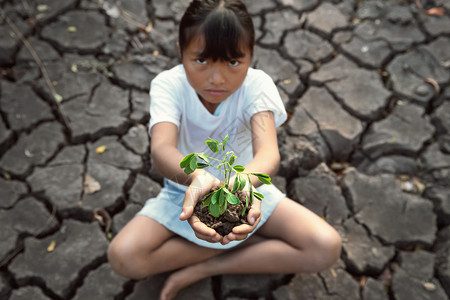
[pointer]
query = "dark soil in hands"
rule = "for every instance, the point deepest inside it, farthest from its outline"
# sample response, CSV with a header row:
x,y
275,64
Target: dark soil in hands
x,y
231,218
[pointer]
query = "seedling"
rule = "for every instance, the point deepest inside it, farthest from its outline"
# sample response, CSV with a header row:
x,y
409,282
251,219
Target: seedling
x,y
217,201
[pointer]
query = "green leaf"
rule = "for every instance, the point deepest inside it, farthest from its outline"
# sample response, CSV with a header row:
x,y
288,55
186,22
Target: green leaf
x,y
221,198
232,160
214,209
236,184
215,197
239,168
242,182
246,205
203,157
226,191
223,208
258,196
264,178
261,175
188,170
207,199
213,145
233,199
193,163
185,161
202,165
224,142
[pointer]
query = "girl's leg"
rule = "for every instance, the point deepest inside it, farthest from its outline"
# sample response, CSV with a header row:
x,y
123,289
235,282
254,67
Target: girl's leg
x,y
295,240
144,247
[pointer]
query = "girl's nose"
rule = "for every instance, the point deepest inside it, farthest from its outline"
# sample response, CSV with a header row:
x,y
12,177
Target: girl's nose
x,y
216,76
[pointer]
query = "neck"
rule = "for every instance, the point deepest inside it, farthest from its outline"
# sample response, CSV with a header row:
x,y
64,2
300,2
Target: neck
x,y
211,107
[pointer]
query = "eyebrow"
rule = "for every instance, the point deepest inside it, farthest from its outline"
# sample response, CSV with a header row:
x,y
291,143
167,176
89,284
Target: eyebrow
x,y
199,54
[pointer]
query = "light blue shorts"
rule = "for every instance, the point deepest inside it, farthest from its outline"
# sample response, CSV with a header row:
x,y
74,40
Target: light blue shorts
x,y
166,208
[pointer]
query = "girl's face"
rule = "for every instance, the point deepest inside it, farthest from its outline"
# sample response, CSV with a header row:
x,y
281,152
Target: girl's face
x,y
213,81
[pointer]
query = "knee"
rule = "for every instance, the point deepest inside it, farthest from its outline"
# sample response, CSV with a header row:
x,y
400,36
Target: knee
x,y
122,259
329,248
326,250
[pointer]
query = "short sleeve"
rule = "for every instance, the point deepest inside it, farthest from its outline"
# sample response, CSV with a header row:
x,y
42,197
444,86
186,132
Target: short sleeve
x,y
262,95
165,100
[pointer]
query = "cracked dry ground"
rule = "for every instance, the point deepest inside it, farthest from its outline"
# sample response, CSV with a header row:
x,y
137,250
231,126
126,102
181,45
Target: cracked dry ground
x,y
367,144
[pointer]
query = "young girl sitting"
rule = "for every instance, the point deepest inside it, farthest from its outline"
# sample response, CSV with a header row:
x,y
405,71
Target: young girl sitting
x,y
215,92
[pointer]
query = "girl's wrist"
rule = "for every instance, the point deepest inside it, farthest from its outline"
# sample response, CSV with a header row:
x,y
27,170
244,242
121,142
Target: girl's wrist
x,y
195,174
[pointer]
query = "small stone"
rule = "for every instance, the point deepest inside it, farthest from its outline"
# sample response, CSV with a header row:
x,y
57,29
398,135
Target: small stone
x,y
422,90
111,9
429,286
137,139
408,186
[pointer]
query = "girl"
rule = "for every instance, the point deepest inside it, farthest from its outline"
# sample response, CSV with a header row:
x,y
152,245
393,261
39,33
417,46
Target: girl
x,y
214,92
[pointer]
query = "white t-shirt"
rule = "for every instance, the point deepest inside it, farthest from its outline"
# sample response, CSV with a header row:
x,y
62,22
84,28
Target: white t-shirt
x,y
172,99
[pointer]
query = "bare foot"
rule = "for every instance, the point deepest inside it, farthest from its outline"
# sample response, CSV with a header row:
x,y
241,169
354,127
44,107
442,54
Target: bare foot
x,y
181,279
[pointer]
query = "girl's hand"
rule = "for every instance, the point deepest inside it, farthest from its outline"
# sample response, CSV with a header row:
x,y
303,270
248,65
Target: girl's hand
x,y
242,231
254,216
202,183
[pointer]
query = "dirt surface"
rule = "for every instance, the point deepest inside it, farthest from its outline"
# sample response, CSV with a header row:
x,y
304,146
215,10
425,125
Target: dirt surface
x,y
225,223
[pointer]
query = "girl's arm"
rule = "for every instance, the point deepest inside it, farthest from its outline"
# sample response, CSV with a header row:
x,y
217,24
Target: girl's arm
x,y
166,161
266,159
165,155
266,156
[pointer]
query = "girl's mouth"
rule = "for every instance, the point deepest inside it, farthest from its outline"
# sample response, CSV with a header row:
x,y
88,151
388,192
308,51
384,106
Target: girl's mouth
x,y
214,92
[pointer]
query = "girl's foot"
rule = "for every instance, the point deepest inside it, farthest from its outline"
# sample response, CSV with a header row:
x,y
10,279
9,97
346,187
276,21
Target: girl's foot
x,y
179,280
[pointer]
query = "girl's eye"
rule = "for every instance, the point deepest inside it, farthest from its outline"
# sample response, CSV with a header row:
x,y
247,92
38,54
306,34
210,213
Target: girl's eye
x,y
201,61
233,63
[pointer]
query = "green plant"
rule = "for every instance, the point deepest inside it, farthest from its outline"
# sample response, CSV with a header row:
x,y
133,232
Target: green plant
x,y
218,200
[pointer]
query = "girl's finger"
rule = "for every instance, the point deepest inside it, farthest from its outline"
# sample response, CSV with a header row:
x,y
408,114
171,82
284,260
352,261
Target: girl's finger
x,y
204,232
243,229
186,212
233,237
254,214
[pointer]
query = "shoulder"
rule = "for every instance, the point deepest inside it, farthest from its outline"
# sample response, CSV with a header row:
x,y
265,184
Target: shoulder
x,y
173,77
256,77
257,81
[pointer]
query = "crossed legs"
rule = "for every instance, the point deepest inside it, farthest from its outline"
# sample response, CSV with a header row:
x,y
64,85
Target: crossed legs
x,y
292,240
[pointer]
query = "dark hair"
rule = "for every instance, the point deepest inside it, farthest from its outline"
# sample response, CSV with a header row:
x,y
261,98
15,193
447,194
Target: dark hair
x,y
224,24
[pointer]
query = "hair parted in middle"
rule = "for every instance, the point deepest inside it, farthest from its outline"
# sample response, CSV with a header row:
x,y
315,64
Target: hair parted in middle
x,y
225,25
